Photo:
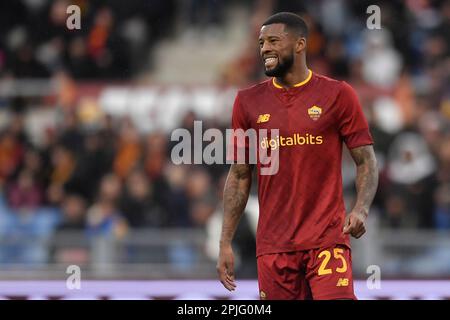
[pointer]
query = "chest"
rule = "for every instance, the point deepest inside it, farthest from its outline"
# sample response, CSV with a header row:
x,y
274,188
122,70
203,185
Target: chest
x,y
304,114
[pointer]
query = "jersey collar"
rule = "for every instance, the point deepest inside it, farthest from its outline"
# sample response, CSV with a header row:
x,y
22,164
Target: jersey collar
x,y
276,85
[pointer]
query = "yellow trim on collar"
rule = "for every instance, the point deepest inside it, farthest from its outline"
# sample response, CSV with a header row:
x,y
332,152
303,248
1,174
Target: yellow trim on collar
x,y
296,85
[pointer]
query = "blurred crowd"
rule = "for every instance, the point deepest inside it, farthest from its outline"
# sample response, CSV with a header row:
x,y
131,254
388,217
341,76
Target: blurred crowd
x,y
102,182
108,180
113,42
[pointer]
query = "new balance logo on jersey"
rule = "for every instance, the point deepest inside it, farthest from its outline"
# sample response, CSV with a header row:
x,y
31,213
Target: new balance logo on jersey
x,y
342,282
263,118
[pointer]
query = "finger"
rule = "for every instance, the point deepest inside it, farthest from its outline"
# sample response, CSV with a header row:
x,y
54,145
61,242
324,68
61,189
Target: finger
x,y
230,269
357,236
226,279
346,224
350,227
230,278
356,228
230,285
360,233
359,222
227,284
221,270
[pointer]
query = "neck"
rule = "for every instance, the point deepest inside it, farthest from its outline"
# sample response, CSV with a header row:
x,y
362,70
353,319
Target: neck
x,y
296,75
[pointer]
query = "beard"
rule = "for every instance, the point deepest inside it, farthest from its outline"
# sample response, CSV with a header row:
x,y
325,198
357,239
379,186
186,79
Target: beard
x,y
281,68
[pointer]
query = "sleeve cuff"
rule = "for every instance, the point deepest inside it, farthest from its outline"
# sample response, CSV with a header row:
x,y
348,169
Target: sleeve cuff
x,y
358,139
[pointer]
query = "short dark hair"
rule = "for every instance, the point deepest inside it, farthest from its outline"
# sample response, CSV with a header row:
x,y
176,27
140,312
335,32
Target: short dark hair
x,y
291,21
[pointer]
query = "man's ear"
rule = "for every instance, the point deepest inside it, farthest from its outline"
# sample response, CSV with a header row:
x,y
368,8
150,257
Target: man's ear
x,y
300,44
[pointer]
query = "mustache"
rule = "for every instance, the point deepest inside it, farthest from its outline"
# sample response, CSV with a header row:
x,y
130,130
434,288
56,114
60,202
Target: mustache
x,y
283,66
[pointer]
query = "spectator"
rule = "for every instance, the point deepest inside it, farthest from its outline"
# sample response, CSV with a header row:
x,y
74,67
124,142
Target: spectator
x,y
105,220
25,194
11,153
442,211
138,204
70,134
411,170
93,163
25,65
73,213
199,191
129,150
79,64
178,201
63,164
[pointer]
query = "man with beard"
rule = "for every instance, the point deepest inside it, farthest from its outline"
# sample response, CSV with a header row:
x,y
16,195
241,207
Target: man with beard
x,y
303,247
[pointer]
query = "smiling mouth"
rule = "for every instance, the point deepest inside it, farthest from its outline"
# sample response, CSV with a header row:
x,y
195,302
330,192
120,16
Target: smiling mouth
x,y
270,62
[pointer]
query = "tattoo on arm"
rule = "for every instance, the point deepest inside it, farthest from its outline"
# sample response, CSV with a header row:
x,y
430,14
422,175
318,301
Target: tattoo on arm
x,y
235,196
366,176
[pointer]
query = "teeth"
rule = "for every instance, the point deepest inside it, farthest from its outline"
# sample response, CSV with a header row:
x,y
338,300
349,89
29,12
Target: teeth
x,y
270,59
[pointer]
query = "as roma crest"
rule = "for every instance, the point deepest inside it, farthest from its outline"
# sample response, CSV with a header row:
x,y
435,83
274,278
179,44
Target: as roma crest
x,y
314,112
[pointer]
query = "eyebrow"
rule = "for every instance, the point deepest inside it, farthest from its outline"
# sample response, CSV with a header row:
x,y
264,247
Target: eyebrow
x,y
270,37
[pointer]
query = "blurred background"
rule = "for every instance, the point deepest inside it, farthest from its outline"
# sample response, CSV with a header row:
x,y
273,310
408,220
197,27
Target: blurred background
x,y
86,116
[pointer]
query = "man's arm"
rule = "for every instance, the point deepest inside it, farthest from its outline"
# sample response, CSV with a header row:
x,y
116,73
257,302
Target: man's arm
x,y
235,196
366,187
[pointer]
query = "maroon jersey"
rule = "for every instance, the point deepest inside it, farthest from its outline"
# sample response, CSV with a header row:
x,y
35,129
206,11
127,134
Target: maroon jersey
x,y
301,206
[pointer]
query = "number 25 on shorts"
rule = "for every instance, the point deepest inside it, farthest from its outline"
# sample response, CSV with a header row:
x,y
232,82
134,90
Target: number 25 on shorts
x,y
326,254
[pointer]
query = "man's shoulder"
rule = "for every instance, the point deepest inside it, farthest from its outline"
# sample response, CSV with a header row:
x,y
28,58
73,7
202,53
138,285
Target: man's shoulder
x,y
253,90
333,88
325,81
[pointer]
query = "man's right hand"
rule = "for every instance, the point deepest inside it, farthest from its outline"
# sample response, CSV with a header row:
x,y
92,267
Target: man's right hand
x,y
225,267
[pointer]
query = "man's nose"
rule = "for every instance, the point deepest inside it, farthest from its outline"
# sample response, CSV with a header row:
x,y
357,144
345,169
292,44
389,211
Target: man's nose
x,y
265,48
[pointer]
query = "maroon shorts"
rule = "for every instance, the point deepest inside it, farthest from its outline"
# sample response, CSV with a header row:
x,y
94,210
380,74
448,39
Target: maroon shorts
x,y
324,273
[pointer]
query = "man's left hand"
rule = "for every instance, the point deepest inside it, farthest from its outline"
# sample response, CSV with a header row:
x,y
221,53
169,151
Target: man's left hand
x,y
354,223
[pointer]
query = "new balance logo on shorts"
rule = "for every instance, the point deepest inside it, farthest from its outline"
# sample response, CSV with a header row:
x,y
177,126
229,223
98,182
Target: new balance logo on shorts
x,y
342,282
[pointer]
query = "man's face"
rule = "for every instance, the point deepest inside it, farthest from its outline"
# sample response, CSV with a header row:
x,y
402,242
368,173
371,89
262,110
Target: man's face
x,y
276,49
